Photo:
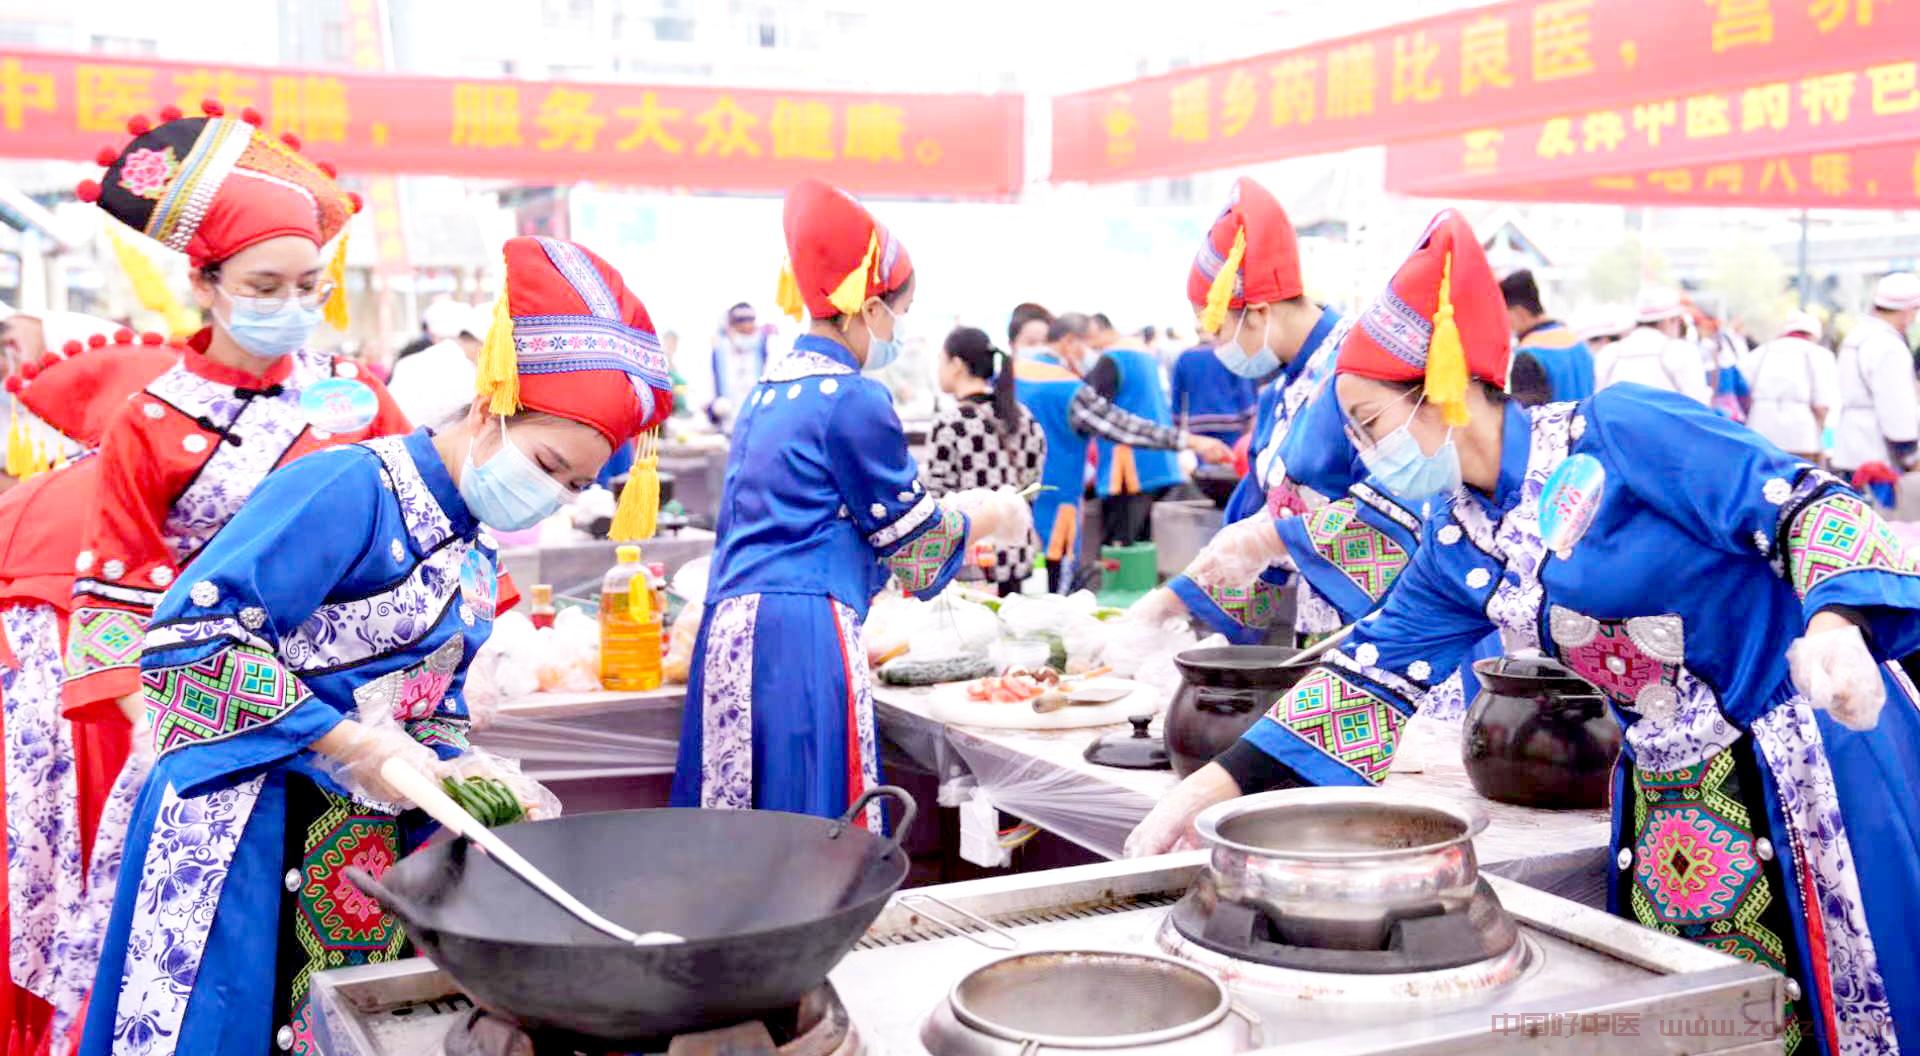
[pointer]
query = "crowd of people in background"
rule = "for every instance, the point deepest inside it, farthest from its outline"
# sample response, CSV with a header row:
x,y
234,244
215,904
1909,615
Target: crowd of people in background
x,y
1092,412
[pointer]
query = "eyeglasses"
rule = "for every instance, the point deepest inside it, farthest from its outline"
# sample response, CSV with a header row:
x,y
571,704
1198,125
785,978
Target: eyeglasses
x,y
1361,433
274,298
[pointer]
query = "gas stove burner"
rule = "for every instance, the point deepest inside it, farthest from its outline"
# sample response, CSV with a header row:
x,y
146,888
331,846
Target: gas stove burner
x,y
1431,938
819,1026
1440,958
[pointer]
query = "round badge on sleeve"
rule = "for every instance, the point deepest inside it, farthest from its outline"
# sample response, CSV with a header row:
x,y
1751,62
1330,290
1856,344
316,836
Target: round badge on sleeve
x,y
1569,501
478,587
339,405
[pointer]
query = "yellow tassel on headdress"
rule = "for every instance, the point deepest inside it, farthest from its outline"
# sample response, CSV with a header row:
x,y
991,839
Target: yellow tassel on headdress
x,y
336,307
851,294
786,296
1220,294
1446,356
151,288
638,514
16,460
497,371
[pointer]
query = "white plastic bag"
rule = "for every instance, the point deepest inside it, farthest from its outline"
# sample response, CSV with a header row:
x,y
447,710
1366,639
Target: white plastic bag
x,y
952,624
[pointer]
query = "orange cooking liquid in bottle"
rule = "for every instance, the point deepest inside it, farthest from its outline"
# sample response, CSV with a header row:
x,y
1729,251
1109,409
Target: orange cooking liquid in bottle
x,y
629,626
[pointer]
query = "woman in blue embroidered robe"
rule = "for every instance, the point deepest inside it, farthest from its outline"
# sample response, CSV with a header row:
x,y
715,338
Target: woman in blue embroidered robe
x,y
326,631
822,505
1681,558
1347,551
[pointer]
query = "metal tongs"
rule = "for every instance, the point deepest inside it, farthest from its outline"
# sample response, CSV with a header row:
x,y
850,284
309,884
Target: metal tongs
x,y
428,796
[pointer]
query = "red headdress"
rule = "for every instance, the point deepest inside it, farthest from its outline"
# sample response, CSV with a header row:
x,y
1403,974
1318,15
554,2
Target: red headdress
x,y
570,339
1250,257
1441,319
79,389
838,254
211,186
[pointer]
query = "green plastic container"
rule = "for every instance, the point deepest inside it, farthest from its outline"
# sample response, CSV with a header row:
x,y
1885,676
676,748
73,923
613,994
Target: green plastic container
x,y
1132,571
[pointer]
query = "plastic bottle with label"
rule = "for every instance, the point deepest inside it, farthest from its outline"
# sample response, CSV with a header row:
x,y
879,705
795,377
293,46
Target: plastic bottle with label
x,y
658,573
629,626
541,609
1036,582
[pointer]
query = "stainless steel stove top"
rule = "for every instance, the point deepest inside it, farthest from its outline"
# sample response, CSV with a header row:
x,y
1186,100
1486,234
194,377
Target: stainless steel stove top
x,y
1594,984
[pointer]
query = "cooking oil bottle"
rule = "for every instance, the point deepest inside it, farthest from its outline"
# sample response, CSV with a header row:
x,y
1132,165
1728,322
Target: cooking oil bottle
x,y
629,626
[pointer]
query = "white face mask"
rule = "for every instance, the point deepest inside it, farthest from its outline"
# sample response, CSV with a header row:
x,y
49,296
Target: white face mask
x,y
883,351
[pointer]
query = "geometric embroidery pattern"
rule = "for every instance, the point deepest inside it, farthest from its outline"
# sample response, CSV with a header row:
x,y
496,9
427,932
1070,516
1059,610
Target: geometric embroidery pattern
x,y
98,639
1250,607
1840,534
233,690
1615,663
337,925
917,565
1344,721
441,733
1361,552
1697,873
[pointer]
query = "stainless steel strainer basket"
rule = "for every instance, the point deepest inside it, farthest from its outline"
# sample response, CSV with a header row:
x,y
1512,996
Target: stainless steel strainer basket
x,y
1052,1000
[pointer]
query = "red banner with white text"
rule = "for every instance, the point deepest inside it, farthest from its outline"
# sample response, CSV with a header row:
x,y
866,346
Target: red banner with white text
x,y
1875,177
724,139
1486,67
1844,109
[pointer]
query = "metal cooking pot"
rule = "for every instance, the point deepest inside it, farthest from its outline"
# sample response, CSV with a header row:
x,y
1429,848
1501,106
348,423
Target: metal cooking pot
x,y
1113,1003
1335,868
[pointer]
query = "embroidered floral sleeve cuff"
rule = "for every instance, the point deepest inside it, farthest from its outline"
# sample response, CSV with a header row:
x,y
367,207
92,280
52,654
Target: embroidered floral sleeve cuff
x,y
447,736
103,656
229,715
1334,728
1348,561
1840,554
925,561
1243,615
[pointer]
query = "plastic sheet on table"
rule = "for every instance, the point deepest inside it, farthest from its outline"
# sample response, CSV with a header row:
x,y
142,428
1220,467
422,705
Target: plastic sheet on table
x,y
579,749
1578,875
1073,805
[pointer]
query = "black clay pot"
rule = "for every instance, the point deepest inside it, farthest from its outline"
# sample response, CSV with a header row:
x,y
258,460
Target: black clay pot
x,y
1539,735
1222,692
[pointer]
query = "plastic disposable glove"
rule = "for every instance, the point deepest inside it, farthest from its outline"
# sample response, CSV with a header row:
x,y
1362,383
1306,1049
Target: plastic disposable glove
x,y
358,751
1169,827
1156,608
538,803
1837,672
1237,554
997,515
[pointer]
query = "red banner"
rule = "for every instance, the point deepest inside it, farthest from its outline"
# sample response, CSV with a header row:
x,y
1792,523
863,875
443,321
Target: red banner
x,y
734,139
1828,111
1877,177
1485,67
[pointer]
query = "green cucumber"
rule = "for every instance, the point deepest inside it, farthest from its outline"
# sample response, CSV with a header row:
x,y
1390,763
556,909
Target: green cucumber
x,y
909,671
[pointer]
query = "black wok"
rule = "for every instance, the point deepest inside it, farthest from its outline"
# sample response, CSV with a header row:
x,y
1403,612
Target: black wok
x,y
768,902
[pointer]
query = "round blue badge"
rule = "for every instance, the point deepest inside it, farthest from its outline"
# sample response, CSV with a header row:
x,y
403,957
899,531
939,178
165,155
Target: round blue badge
x,y
478,587
339,405
1569,502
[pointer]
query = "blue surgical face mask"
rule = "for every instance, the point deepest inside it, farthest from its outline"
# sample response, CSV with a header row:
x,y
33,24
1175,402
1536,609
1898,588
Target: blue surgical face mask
x,y
1233,357
881,352
1409,474
510,491
269,334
